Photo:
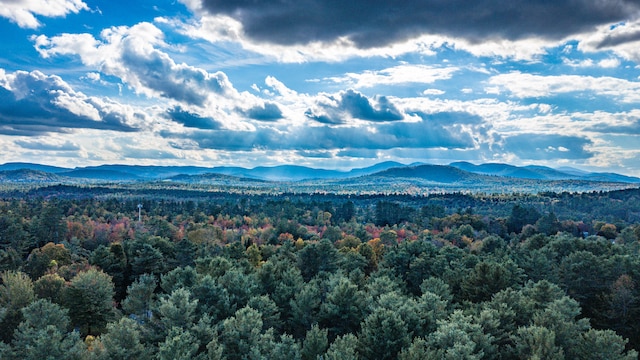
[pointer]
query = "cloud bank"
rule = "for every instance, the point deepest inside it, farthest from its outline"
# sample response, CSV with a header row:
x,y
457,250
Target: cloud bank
x,y
375,23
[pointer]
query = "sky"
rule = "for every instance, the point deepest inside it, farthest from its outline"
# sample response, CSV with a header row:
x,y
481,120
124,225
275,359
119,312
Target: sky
x,y
321,83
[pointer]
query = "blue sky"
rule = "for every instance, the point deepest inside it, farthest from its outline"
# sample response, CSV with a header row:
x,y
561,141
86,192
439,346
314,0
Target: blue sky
x,y
321,83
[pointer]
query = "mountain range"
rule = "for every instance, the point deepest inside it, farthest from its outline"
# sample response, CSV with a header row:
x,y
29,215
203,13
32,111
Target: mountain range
x,y
458,175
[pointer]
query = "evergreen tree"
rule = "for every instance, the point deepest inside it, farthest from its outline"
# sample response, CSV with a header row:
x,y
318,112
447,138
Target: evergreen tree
x,y
383,335
315,343
604,344
537,342
16,292
343,348
89,298
141,296
122,341
213,299
179,344
43,334
343,309
177,310
241,335
286,348
305,309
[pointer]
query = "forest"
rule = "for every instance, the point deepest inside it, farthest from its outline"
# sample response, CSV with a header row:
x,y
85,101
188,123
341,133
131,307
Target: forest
x,y
87,274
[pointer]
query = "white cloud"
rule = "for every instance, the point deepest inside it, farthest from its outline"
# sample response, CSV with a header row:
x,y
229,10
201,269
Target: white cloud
x,y
622,39
24,12
137,56
587,63
36,103
524,85
433,92
401,74
609,63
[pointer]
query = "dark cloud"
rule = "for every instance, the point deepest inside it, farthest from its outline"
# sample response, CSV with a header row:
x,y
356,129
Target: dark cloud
x,y
192,120
361,108
266,112
371,23
36,105
613,40
315,154
37,145
547,147
353,104
421,134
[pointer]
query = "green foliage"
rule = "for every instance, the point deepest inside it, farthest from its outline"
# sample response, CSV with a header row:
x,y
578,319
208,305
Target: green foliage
x,y
145,259
383,335
305,309
178,278
112,260
50,286
342,311
48,256
316,258
16,292
122,341
536,342
315,343
179,344
141,296
177,310
269,310
89,298
521,216
43,334
488,278
286,348
459,337
213,298
603,344
343,348
242,336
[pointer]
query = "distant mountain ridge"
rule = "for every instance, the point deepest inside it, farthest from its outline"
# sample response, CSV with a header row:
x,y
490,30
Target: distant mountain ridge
x,y
541,172
456,172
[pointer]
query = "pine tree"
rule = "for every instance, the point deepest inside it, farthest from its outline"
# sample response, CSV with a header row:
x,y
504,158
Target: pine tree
x,y
89,298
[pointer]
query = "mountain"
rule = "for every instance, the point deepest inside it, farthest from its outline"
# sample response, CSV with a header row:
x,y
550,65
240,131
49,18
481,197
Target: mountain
x,y
29,166
612,177
572,171
213,178
435,173
101,174
541,172
373,169
274,173
497,169
148,171
390,176
291,173
28,176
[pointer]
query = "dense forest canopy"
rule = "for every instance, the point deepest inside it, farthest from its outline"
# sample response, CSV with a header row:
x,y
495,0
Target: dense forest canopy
x,y
219,275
